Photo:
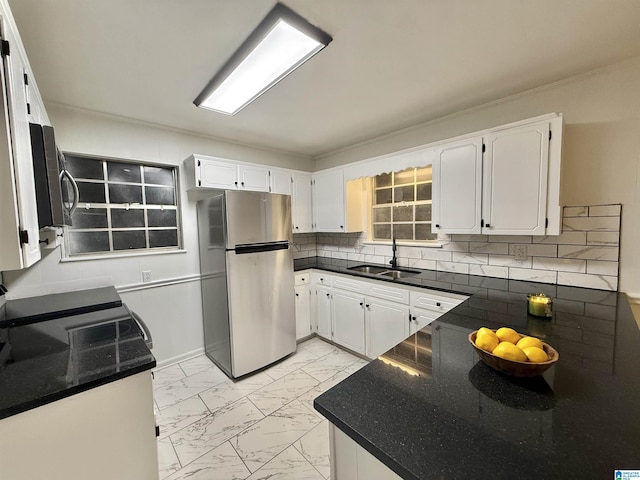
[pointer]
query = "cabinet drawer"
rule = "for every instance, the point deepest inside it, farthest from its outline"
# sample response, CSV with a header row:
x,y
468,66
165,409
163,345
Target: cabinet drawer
x,y
349,284
321,278
302,278
439,302
381,290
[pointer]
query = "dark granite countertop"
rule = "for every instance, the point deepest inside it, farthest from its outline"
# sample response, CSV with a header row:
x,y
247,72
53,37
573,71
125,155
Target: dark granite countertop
x,y
42,361
430,409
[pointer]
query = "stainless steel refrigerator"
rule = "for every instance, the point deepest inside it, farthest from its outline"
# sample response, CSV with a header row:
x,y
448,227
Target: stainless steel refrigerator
x,y
246,265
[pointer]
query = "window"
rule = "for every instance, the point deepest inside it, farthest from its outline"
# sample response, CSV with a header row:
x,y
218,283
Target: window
x,y
123,206
401,206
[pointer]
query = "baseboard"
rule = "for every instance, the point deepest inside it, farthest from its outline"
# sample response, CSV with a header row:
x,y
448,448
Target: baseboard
x,y
634,298
180,358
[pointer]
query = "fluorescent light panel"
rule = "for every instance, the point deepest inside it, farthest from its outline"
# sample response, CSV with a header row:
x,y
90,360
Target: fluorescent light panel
x,y
281,43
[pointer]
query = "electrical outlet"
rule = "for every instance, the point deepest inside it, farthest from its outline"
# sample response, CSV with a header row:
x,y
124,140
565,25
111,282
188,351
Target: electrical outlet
x,y
146,276
520,253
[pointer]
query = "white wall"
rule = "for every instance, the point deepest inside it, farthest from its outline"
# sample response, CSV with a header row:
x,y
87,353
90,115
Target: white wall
x,y
601,148
171,303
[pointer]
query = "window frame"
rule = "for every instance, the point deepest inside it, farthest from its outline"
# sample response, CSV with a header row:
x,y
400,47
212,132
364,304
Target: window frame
x,y
143,206
392,186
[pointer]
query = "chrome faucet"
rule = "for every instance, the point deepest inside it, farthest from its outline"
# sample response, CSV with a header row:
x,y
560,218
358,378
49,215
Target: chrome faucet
x,y
394,260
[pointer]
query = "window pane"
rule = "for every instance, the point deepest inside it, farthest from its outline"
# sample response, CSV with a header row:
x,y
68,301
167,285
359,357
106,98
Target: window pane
x,y
403,194
423,213
404,177
382,232
159,195
423,174
403,232
382,214
159,175
403,214
86,242
383,196
125,193
383,180
84,167
123,172
424,191
423,232
90,218
129,240
91,192
121,218
163,238
162,218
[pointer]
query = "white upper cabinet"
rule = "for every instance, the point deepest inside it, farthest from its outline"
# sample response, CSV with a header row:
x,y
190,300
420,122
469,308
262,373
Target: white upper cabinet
x,y
337,207
457,187
281,181
253,178
328,201
504,182
216,174
515,181
301,203
19,231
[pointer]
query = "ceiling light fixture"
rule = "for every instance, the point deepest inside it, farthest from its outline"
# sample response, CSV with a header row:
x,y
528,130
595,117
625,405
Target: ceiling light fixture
x,y
279,44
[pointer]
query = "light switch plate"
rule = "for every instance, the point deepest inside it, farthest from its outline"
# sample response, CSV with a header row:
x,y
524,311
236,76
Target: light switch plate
x,y
520,253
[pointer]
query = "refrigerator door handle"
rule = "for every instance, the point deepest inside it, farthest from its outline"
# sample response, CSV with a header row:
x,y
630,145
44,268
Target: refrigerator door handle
x,y
261,247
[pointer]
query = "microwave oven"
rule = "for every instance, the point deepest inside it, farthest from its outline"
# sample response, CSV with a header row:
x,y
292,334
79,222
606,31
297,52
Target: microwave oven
x,y
57,193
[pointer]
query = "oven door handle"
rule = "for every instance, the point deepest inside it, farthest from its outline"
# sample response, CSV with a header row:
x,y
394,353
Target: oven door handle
x,y
147,333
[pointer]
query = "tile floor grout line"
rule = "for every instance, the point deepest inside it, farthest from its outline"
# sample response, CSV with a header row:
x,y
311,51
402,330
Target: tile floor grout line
x,y
241,459
310,463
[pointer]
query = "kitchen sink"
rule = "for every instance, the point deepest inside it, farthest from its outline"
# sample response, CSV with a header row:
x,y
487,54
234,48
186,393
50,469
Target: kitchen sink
x,y
386,272
368,269
395,274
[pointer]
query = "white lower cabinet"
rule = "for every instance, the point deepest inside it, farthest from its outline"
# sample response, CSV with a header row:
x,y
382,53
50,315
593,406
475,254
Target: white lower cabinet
x,y
348,320
349,461
304,325
368,316
387,325
323,311
105,433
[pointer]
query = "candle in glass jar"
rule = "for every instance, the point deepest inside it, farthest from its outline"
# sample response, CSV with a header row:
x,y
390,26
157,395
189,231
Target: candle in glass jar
x,y
539,304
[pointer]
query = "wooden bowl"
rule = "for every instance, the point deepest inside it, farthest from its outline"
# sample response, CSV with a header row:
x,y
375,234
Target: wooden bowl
x,y
513,367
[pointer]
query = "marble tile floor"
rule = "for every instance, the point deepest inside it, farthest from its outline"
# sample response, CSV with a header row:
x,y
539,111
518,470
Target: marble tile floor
x,y
261,427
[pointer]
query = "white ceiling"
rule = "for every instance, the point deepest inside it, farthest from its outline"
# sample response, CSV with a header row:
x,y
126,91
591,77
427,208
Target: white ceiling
x,y
392,63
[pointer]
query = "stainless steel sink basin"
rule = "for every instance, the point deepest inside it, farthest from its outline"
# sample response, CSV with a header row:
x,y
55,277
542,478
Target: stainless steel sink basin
x,y
368,269
395,274
381,271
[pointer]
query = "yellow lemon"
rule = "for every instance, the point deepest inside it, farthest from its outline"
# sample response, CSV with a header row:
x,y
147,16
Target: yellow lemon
x,y
487,342
526,342
536,355
509,351
506,334
485,330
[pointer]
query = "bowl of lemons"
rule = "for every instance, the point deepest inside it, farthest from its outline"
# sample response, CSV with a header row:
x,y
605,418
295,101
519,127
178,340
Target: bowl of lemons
x,y
510,352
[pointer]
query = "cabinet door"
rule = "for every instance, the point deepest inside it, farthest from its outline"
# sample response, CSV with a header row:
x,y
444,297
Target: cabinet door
x,y
301,203
22,250
348,320
420,319
387,325
281,181
214,174
515,181
328,202
323,311
457,188
303,311
255,179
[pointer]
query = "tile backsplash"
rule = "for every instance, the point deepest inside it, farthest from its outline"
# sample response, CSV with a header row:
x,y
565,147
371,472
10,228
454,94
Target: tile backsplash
x,y
585,254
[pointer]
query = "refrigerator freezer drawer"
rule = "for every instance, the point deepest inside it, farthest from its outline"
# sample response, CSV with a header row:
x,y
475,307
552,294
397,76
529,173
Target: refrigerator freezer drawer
x,y
261,308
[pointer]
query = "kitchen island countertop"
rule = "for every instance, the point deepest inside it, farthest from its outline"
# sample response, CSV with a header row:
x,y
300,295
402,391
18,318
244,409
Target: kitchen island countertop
x,y
430,409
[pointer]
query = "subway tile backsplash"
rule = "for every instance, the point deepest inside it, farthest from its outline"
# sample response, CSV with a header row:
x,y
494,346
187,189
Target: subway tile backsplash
x,y
586,254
